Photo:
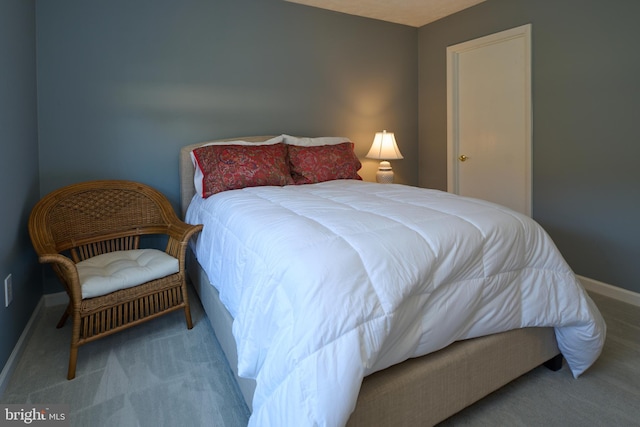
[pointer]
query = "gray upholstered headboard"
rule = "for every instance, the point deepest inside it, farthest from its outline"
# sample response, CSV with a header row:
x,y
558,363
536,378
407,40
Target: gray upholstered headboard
x,y
187,170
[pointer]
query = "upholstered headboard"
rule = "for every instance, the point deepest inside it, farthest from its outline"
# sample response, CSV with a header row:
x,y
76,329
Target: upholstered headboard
x,y
187,190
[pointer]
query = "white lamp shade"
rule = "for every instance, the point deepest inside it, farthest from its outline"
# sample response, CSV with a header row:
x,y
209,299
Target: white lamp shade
x,y
384,147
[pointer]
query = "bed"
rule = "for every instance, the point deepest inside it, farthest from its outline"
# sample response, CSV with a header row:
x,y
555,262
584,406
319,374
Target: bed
x,y
418,372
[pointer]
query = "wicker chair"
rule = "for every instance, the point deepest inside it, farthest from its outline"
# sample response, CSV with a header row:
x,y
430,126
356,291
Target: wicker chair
x,y
81,221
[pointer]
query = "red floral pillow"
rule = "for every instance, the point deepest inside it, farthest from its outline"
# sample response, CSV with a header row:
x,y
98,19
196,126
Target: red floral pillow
x,y
230,167
323,163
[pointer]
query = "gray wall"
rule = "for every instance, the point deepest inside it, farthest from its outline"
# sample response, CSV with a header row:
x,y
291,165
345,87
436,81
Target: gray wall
x,y
18,168
122,84
586,70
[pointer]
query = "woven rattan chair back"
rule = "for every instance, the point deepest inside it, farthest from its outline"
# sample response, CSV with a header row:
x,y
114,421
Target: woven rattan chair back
x,y
87,219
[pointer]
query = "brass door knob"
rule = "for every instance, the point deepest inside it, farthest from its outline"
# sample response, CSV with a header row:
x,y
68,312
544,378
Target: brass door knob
x,y
462,158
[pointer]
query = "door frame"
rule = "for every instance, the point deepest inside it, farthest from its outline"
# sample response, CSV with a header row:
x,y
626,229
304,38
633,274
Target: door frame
x,y
453,53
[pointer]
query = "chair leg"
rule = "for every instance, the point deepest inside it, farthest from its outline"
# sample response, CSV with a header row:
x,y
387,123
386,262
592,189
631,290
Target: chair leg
x,y
73,359
187,308
187,315
64,317
73,351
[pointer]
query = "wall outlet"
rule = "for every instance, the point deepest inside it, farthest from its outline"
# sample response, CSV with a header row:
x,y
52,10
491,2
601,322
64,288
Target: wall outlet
x,y
8,291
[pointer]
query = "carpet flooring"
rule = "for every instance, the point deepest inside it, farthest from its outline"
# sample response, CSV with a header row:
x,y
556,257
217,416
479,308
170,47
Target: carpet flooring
x,y
161,374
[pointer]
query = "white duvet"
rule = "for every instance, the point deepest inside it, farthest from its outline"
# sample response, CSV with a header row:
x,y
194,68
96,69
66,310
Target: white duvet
x,y
330,282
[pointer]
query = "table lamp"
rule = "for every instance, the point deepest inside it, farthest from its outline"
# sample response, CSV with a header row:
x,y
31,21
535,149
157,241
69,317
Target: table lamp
x,y
384,148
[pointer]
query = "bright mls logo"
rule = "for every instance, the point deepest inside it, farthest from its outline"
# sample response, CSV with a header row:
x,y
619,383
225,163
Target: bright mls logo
x,y
37,415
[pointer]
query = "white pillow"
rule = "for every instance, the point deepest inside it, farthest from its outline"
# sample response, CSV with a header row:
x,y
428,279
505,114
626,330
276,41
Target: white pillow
x,y
314,142
110,272
197,173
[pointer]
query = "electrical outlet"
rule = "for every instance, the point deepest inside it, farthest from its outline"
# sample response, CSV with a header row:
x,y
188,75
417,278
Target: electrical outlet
x,y
8,291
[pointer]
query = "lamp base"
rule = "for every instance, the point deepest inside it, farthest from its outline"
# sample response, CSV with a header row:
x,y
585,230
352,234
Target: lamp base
x,y
385,173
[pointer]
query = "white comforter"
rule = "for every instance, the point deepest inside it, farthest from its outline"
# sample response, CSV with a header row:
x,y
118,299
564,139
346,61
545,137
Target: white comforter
x,y
330,282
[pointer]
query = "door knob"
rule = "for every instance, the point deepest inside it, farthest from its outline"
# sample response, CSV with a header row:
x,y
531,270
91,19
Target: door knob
x,y
462,158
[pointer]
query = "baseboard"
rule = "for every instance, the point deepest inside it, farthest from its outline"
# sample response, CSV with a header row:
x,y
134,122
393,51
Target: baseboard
x,y
610,291
12,362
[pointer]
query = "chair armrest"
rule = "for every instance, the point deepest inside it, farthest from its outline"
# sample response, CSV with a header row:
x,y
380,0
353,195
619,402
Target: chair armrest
x,y
67,272
179,234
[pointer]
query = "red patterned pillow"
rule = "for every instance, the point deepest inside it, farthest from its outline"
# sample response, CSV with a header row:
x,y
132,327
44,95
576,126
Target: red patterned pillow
x,y
230,167
323,163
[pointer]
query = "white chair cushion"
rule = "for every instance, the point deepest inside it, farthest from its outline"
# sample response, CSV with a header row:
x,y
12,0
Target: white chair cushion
x,y
117,270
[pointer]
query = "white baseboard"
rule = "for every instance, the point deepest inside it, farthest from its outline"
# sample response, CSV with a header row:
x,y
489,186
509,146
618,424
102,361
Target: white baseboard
x,y
610,291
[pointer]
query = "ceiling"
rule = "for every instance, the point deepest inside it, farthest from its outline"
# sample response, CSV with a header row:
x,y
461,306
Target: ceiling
x,y
415,13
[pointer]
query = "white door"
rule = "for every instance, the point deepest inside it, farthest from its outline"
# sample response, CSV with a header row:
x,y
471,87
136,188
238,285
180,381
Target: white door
x,y
489,118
